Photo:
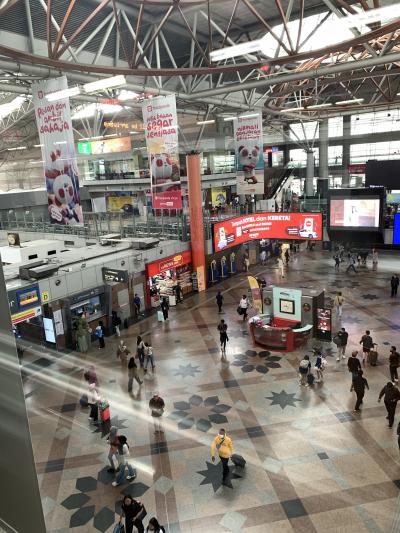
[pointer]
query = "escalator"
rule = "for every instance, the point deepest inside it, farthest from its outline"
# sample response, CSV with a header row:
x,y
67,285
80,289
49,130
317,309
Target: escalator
x,y
275,179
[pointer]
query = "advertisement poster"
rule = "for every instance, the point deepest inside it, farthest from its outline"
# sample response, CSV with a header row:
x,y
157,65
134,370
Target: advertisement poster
x,y
355,212
324,324
218,196
256,294
161,130
396,229
111,146
58,152
121,202
248,135
287,226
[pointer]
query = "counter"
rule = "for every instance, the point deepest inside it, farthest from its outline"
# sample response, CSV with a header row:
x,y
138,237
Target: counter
x,y
279,338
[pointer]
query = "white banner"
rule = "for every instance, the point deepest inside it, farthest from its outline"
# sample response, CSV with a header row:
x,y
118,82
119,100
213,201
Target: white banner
x,y
249,154
58,152
161,126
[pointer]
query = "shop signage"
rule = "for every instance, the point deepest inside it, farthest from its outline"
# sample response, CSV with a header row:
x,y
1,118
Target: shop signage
x,y
45,296
175,261
161,130
248,136
218,196
117,125
21,300
85,295
118,276
357,169
13,239
286,226
58,152
26,315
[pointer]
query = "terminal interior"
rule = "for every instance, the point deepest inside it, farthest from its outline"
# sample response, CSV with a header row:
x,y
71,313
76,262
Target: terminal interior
x,y
199,242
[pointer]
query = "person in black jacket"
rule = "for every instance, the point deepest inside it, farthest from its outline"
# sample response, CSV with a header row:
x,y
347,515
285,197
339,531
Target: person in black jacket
x,y
392,396
164,308
359,384
354,365
220,301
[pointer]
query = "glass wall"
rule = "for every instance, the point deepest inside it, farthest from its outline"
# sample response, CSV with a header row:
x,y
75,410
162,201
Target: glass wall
x,y
304,130
298,157
335,127
360,153
379,122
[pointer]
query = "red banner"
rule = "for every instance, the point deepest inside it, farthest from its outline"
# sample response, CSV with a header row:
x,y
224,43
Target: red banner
x,y
357,169
174,261
286,226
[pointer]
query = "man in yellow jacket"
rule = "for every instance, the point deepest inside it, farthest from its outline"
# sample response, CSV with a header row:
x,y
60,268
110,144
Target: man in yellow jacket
x,y
223,444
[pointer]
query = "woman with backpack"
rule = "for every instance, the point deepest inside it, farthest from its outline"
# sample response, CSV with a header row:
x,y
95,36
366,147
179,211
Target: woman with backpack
x,y
123,457
99,332
134,512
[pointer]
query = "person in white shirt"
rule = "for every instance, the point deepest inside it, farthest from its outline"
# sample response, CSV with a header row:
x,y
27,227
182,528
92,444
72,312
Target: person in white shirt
x,y
123,457
281,267
338,303
149,358
263,257
244,305
94,400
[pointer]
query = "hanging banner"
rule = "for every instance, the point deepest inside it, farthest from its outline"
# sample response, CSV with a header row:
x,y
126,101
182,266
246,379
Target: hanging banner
x,y
58,152
218,196
256,294
249,154
161,130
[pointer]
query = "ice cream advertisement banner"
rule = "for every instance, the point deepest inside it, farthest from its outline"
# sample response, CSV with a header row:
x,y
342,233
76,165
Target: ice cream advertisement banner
x,y
249,154
58,152
286,226
161,130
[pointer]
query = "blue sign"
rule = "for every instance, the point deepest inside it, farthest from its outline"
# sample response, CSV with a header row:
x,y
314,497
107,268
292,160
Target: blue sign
x,y
396,229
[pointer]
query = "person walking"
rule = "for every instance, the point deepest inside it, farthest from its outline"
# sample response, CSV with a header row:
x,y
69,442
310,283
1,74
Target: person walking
x,y
246,263
116,323
94,400
342,337
133,374
367,345
164,308
113,443
223,334
134,512
354,366
281,267
244,305
337,261
154,526
224,446
304,369
359,384
287,256
140,350
178,293
263,257
374,259
90,375
319,367
136,305
352,263
157,406
149,357
99,332
123,461
338,303
220,300
391,397
394,283
123,353
394,361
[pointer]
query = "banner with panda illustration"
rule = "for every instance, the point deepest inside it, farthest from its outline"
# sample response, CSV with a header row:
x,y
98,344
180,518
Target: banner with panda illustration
x,y
161,127
249,154
58,152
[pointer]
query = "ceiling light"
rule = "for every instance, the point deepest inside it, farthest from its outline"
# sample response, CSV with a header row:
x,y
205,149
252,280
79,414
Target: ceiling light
x,y
17,148
200,122
347,102
364,18
250,116
227,119
292,110
64,93
111,135
89,110
38,145
134,132
318,106
127,95
60,142
104,83
236,50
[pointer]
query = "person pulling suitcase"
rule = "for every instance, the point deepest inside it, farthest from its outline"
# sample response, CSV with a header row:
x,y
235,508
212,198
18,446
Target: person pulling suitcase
x,y
224,446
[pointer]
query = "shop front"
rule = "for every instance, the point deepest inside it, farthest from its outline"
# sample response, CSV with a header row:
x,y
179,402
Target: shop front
x,y
26,313
163,276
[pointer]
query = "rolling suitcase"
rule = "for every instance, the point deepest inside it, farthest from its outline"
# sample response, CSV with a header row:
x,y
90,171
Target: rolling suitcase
x,y
310,379
238,460
160,316
373,357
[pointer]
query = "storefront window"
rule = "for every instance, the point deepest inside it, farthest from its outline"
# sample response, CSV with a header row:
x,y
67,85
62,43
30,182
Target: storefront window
x,y
91,308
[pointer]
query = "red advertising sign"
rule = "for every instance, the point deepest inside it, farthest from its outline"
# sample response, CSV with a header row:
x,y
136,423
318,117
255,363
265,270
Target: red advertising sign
x,y
357,169
174,261
287,226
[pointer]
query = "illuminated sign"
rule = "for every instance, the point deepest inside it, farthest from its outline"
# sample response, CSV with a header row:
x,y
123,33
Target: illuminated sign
x,y
286,226
324,324
116,125
118,276
28,298
175,261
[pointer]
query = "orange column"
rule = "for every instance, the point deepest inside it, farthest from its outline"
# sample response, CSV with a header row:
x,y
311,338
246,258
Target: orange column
x,y
196,219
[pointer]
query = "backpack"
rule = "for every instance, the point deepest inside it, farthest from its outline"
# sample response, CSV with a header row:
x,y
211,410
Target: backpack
x,y
304,365
99,333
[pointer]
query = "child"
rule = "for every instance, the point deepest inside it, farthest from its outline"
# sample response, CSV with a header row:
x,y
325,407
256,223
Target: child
x,y
319,367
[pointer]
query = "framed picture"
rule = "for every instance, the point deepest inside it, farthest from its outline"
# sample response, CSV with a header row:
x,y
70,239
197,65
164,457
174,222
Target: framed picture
x,y
286,306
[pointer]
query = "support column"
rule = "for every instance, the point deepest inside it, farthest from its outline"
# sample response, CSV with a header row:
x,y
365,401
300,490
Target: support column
x,y
310,174
346,150
323,178
196,219
20,504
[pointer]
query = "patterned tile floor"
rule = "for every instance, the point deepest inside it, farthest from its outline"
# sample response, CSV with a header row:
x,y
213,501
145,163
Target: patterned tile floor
x,y
311,464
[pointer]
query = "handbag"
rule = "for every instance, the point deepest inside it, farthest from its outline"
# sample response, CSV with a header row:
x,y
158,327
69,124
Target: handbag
x,y
239,310
119,528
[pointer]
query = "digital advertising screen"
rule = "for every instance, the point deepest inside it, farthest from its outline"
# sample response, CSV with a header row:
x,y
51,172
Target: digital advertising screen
x,y
396,229
286,306
355,212
287,226
324,323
